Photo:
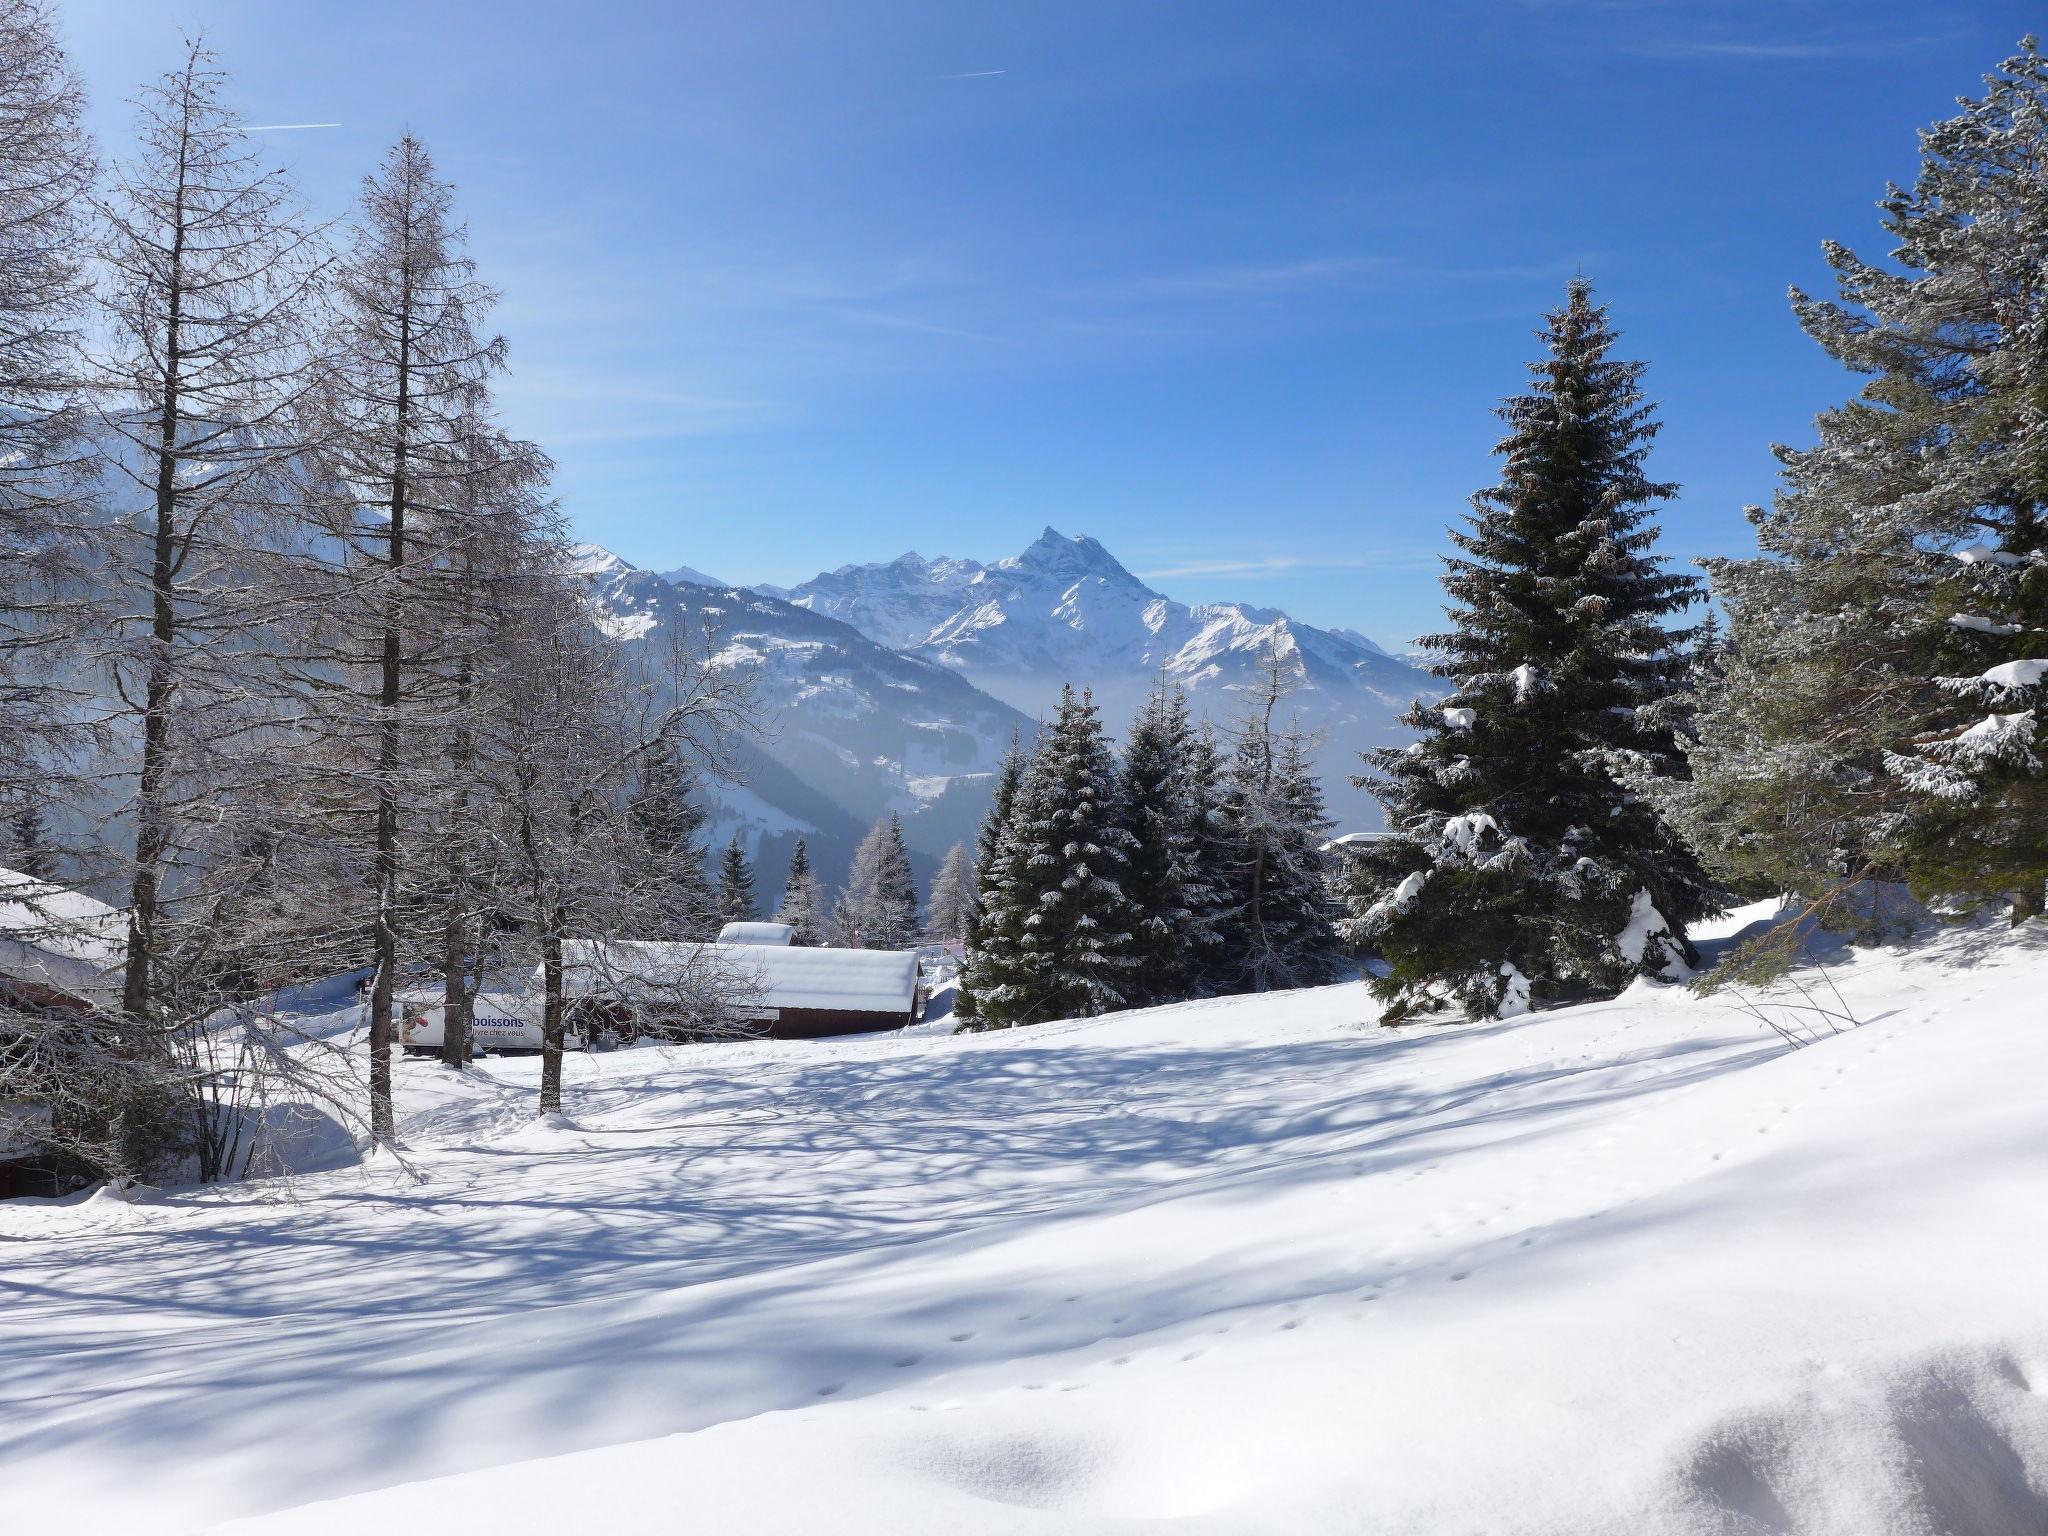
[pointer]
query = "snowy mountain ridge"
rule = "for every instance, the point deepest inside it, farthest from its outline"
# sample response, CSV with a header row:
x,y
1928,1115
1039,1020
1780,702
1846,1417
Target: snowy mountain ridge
x,y
1066,610
852,730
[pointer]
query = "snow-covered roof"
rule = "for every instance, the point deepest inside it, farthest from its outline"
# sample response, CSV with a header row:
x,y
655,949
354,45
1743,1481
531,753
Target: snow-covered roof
x,y
1350,842
756,933
882,981
60,938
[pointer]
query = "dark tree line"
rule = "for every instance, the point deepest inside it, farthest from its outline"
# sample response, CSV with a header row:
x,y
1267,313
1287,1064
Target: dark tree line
x,y
1172,870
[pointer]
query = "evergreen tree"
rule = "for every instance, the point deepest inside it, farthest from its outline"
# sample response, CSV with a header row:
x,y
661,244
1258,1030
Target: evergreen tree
x,y
803,900
878,908
665,813
1057,911
1520,868
1214,858
29,850
1281,930
1881,709
988,943
1169,887
735,885
951,911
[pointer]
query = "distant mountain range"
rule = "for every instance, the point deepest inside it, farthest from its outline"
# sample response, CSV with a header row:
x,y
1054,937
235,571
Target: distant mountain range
x,y
852,730
897,685
1065,610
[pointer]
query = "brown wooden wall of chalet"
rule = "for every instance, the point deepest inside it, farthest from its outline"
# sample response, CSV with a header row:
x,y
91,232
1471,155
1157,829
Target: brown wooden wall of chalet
x,y
818,1023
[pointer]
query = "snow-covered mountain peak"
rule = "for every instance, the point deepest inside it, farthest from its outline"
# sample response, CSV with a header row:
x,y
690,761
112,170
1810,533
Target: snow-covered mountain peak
x,y
595,560
690,576
1052,555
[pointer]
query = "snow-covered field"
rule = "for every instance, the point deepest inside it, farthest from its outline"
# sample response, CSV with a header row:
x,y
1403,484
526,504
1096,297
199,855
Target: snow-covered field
x,y
1244,1266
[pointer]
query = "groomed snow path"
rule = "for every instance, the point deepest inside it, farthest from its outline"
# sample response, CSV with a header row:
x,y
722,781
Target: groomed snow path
x,y
1246,1266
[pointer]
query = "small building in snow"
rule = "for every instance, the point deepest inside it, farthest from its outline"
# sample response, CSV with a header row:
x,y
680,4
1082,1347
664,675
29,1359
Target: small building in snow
x,y
779,934
61,955
779,990
60,950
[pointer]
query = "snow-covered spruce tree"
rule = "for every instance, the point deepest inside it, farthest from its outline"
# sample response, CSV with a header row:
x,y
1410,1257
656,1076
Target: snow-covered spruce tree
x,y
1281,929
1216,857
1885,709
950,912
878,907
28,848
1058,889
735,885
1172,887
668,817
47,532
803,900
991,945
1519,868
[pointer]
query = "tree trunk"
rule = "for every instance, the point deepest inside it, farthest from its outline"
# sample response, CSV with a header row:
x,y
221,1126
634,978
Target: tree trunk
x,y
152,813
455,987
383,1121
458,992
551,1030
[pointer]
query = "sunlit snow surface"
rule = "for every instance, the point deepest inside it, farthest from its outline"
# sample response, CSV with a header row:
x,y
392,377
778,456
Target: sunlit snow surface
x,y
1244,1266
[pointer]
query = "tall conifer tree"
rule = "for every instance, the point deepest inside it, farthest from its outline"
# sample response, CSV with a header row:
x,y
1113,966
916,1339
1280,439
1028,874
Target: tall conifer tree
x,y
665,813
1059,894
1520,868
878,908
736,885
1281,931
803,900
1884,707
1168,887
989,944
952,908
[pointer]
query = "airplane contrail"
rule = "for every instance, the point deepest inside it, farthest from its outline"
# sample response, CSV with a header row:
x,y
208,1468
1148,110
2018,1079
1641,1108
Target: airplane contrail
x,y
285,127
975,74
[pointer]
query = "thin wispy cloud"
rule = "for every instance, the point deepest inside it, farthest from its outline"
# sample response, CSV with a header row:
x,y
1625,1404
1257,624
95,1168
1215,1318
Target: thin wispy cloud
x,y
890,321
1270,565
285,127
1258,279
1773,50
1311,275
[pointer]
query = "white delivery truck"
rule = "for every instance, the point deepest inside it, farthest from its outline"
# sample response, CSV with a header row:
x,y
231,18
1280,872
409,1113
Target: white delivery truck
x,y
503,1019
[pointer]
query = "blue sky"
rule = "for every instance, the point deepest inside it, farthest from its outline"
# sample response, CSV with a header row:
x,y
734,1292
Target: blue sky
x,y
1232,287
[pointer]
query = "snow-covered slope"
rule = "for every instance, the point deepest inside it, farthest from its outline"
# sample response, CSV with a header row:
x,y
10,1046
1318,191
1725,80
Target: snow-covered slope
x,y
1065,611
898,603
854,730
1250,1266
